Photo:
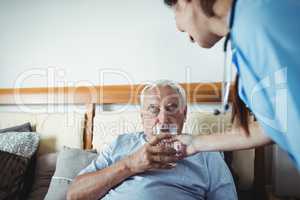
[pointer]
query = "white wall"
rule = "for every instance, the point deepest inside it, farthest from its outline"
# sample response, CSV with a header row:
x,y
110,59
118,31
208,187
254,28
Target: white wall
x,y
64,42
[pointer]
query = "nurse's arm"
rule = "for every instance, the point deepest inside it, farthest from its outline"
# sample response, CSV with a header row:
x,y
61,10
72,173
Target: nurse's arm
x,y
236,139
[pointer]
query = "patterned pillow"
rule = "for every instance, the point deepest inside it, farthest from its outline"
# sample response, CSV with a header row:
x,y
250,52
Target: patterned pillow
x,y
23,144
17,152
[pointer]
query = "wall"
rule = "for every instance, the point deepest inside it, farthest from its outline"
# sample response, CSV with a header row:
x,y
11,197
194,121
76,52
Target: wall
x,y
86,42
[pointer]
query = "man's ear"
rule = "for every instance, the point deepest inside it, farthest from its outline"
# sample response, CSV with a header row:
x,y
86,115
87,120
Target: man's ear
x,y
141,115
185,112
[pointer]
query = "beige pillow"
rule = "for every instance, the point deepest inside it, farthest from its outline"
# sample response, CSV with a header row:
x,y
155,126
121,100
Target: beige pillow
x,y
108,125
9,119
206,123
60,129
55,129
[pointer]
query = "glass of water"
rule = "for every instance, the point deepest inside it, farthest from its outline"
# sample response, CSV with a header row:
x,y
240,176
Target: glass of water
x,y
167,128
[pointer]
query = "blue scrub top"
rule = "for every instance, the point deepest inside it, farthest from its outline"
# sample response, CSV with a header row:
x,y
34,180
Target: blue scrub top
x,y
266,51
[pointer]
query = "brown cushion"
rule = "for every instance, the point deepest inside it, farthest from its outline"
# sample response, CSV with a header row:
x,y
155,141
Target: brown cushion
x,y
45,168
12,175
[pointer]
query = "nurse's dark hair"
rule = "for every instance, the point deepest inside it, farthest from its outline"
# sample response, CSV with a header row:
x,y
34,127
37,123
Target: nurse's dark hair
x,y
240,112
207,5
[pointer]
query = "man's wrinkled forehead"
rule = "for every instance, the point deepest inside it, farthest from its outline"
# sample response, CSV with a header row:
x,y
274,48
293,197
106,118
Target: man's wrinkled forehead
x,y
157,95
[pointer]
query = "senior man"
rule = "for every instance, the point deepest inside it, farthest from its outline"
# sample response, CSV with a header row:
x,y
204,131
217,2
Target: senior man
x,y
143,166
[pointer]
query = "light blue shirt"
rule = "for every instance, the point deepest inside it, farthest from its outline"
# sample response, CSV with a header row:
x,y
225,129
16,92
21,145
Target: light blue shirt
x,y
202,176
266,52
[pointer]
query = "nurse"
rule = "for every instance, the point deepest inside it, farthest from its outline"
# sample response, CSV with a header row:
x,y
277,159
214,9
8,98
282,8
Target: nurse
x,y
265,45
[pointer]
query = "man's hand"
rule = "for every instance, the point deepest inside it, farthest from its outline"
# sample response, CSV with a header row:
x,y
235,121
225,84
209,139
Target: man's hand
x,y
153,156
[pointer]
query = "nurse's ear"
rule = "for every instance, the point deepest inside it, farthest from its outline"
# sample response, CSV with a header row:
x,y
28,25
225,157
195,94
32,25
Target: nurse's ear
x,y
182,4
218,26
217,21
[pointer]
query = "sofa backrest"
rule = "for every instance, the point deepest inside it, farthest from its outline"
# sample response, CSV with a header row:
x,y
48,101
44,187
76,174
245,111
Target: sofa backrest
x,y
55,129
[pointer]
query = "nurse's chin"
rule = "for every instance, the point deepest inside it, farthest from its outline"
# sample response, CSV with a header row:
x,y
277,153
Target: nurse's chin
x,y
208,43
206,46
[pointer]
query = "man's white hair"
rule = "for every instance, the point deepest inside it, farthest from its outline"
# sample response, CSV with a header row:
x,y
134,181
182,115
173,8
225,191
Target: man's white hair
x,y
162,83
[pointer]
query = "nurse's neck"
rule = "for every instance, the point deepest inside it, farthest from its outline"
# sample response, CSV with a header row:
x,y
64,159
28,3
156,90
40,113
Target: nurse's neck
x,y
219,23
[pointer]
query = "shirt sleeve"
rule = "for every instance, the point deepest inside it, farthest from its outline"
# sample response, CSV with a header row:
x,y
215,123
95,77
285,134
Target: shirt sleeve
x,y
221,184
102,161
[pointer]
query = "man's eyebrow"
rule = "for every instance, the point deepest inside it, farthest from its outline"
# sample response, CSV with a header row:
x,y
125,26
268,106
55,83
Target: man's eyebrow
x,y
172,104
152,105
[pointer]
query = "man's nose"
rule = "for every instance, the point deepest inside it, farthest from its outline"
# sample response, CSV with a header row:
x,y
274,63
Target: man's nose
x,y
163,117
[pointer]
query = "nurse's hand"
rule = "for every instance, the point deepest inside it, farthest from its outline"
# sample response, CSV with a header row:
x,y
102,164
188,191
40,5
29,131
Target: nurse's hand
x,y
187,146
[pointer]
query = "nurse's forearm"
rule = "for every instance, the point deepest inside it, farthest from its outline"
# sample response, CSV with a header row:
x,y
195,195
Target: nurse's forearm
x,y
237,139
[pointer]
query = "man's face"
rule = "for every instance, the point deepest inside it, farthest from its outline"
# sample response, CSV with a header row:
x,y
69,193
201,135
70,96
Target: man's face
x,y
191,19
162,106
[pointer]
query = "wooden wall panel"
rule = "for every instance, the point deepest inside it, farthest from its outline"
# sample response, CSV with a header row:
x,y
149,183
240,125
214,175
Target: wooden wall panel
x,y
111,94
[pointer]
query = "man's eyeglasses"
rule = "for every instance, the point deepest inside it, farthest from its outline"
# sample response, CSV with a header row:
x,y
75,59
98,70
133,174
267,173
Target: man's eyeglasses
x,y
153,110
